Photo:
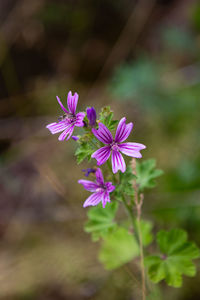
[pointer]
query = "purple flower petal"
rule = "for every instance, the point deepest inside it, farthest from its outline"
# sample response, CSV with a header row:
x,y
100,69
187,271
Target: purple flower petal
x,y
105,199
118,162
132,149
103,134
72,102
123,130
57,127
99,176
61,105
93,199
92,116
110,187
79,119
89,185
101,155
67,133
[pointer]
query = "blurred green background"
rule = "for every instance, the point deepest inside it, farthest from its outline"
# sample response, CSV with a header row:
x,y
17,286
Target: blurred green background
x,y
143,59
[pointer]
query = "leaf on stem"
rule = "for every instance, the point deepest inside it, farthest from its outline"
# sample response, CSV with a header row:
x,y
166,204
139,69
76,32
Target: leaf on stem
x,y
118,248
126,184
146,174
84,150
175,259
101,220
146,230
106,117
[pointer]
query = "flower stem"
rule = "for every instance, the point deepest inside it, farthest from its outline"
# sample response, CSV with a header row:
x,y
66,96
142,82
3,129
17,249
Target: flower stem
x,y
138,204
138,231
141,256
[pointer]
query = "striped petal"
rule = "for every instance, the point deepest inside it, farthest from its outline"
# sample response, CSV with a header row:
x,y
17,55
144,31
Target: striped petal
x,y
93,200
132,149
99,176
118,162
105,199
89,185
61,105
103,134
72,102
57,127
110,187
67,133
123,130
79,119
102,155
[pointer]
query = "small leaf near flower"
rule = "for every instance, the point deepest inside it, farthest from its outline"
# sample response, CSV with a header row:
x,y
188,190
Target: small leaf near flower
x,y
146,173
106,117
101,220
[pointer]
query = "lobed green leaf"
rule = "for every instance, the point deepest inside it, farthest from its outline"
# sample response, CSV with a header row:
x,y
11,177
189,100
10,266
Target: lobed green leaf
x,y
118,248
101,220
146,174
175,259
85,150
106,117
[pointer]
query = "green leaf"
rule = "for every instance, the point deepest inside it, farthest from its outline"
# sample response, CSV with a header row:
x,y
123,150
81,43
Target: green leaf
x,y
118,248
101,220
84,151
146,173
126,185
175,258
106,117
146,229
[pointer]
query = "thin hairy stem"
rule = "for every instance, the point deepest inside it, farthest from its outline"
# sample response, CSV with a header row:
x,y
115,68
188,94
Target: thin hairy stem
x,y
137,230
138,204
138,207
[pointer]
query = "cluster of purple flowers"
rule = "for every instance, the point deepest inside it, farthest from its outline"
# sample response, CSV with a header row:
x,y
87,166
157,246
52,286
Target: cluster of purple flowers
x,y
113,146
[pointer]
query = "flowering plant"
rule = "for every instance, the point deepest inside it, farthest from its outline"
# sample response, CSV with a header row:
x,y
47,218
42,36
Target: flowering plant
x,y
117,184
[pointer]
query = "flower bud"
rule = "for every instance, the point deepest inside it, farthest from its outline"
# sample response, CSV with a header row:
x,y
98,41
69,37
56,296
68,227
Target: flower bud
x,y
91,114
75,137
88,171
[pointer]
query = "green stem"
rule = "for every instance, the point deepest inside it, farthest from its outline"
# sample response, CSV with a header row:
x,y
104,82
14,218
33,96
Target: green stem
x,y
138,231
141,258
129,211
138,203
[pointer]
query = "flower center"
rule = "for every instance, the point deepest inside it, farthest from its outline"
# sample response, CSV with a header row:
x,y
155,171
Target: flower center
x,y
68,118
114,146
101,188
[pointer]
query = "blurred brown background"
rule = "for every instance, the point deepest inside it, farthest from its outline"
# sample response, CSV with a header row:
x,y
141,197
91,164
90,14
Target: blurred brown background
x,y
141,58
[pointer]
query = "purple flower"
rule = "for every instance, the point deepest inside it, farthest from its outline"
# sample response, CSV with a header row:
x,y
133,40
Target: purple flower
x,y
115,146
100,190
92,116
88,171
69,120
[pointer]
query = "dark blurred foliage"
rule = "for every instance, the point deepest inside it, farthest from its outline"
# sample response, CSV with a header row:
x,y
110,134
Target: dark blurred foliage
x,y
144,54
